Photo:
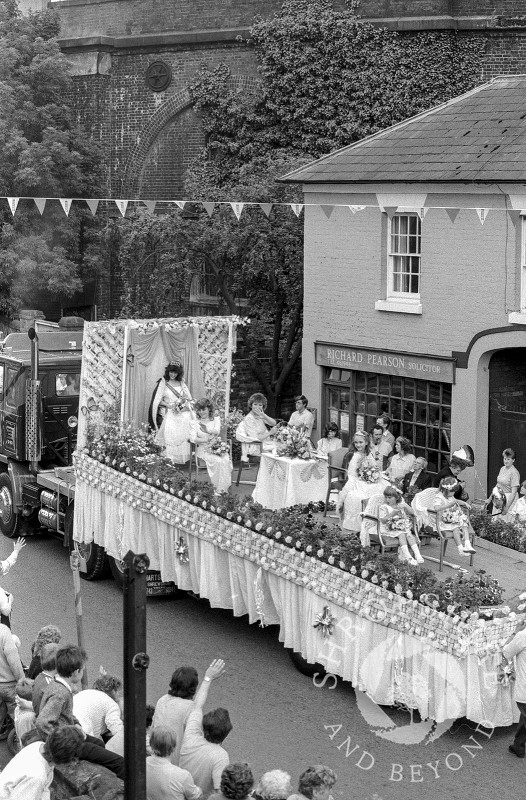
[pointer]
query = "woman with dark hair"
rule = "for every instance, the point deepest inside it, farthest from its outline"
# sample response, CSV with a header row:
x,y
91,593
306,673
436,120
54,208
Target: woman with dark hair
x,y
331,440
172,413
508,481
173,709
403,460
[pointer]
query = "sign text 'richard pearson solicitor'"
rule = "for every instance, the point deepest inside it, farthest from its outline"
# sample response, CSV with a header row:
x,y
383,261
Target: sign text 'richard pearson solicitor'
x,y
385,362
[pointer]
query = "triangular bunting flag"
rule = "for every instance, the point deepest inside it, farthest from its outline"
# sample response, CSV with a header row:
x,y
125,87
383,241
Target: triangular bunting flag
x,y
482,213
297,208
93,206
209,208
66,205
150,206
452,213
122,205
327,210
180,203
355,209
267,208
40,203
13,203
237,208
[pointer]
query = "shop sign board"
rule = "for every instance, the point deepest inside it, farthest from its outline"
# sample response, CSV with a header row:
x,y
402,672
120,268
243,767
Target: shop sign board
x,y
387,362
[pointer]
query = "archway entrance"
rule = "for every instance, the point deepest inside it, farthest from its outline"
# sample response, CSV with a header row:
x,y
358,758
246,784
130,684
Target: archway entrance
x,y
507,410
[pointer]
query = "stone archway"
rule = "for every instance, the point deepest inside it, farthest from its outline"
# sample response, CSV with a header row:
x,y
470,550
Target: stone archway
x,y
159,122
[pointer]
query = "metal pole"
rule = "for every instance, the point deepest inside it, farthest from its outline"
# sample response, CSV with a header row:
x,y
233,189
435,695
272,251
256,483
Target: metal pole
x,y
136,663
74,561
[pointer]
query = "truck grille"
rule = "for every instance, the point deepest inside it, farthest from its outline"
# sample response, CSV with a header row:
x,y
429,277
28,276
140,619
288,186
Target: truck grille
x,y
58,409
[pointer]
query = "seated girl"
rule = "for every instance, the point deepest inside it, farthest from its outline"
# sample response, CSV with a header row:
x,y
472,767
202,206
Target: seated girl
x,y
519,509
454,523
330,441
253,427
395,522
402,461
363,481
205,432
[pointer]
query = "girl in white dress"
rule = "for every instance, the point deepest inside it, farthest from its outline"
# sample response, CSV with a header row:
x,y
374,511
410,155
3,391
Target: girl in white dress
x,y
395,508
205,431
172,407
363,481
403,460
454,523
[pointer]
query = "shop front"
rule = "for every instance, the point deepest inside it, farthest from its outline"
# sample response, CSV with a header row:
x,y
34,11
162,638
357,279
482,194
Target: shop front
x,y
360,384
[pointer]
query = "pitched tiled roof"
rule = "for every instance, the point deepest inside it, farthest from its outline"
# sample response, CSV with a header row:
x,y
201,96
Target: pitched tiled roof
x,y
479,136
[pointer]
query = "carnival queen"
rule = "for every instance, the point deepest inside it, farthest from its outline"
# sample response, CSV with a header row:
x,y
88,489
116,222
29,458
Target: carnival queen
x,y
363,481
172,413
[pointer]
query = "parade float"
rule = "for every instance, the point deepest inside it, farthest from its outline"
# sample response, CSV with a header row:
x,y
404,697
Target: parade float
x,y
393,631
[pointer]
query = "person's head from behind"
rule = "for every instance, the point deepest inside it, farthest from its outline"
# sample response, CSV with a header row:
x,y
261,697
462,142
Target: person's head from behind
x,y
63,744
46,635
392,495
331,431
24,688
149,712
70,662
110,685
273,785
257,402
456,466
316,782
216,725
237,781
48,657
162,741
184,683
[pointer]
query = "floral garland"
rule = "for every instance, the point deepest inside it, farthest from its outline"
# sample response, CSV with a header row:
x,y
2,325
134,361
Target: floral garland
x,y
134,452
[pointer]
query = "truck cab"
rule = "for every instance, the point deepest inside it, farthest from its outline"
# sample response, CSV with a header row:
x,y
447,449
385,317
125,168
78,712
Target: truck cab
x,y
39,399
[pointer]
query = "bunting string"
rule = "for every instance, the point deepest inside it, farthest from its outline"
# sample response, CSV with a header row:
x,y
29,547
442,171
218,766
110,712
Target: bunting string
x,y
387,204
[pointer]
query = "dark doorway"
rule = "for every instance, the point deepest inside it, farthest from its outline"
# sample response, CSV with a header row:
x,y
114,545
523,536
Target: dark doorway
x,y
507,410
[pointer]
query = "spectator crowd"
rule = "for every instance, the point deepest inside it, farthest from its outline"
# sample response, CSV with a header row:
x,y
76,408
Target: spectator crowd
x,y
57,723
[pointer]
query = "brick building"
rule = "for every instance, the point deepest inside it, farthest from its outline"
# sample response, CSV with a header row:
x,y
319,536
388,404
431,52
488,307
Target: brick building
x,y
415,297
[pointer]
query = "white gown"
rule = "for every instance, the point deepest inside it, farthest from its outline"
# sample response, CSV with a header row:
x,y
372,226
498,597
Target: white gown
x,y
174,433
219,466
356,490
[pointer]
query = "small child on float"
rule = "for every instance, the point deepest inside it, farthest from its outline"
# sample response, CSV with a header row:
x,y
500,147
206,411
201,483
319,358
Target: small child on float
x,y
330,441
518,513
395,522
454,523
253,428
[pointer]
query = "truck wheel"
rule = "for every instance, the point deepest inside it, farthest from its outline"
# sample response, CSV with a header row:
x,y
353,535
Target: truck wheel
x,y
117,570
10,521
305,667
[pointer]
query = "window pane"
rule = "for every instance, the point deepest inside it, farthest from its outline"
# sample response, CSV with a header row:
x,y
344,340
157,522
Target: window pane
x,y
334,375
372,383
345,376
383,381
434,393
409,410
409,387
421,390
359,381
446,394
396,386
372,406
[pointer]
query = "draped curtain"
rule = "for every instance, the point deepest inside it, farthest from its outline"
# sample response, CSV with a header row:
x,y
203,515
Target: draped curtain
x,y
152,351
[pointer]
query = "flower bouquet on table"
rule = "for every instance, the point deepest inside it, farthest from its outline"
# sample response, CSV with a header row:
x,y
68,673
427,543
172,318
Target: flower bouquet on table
x,y
217,447
293,443
368,473
400,524
454,516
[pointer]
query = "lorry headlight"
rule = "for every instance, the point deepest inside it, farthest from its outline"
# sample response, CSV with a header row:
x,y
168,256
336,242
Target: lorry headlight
x,y
72,422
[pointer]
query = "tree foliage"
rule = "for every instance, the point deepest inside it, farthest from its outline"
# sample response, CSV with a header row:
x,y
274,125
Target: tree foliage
x,y
326,80
44,154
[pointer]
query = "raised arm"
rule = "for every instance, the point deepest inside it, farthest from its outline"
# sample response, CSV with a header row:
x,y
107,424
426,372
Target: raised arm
x,y
6,565
214,671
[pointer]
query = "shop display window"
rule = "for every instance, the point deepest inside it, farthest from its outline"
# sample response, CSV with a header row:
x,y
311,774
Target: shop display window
x,y
420,410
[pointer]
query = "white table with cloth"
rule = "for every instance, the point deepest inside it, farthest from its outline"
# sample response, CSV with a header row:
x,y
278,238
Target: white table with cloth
x,y
284,482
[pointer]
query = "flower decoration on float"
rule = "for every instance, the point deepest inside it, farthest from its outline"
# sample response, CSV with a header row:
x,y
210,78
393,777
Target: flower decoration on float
x,y
505,673
182,552
325,622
